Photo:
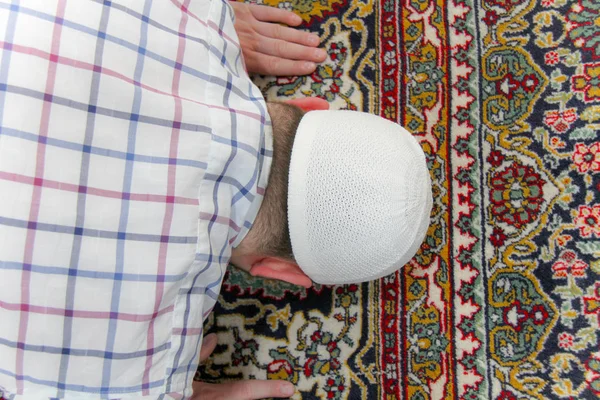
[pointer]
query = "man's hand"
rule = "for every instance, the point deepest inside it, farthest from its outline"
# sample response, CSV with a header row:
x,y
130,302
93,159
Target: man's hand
x,y
241,390
272,49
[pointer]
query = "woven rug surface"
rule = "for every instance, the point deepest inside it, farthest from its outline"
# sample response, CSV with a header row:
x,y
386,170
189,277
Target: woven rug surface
x,y
503,299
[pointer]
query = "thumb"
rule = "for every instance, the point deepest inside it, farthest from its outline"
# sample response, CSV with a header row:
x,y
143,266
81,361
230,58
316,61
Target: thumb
x,y
208,346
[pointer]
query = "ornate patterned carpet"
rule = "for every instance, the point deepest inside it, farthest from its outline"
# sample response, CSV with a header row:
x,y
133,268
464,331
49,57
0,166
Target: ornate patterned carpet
x,y
503,300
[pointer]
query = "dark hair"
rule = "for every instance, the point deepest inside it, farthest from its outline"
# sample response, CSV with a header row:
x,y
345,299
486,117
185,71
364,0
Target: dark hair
x,y
270,235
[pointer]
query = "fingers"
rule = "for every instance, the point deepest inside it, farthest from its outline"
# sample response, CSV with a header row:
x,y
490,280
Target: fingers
x,y
272,49
292,35
208,346
293,51
272,14
242,390
269,65
253,390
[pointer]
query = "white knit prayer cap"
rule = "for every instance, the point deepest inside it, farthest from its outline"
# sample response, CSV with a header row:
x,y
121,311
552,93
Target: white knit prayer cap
x,y
359,196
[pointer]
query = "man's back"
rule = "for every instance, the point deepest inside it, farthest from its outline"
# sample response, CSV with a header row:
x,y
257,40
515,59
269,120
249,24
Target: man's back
x,y
122,190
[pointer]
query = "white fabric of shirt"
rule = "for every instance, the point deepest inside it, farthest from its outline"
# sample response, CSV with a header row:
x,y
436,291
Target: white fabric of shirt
x,y
134,152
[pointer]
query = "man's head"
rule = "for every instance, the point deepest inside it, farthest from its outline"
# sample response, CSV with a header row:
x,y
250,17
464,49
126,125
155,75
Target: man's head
x,y
267,248
348,198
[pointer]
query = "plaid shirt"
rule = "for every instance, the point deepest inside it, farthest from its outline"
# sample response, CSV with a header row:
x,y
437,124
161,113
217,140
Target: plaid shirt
x,y
134,151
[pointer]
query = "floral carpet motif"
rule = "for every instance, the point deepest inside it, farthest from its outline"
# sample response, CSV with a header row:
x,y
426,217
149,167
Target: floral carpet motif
x,y
503,299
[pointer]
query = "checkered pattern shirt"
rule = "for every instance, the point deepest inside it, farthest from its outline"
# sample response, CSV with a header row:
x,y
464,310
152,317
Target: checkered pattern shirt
x,y
134,152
